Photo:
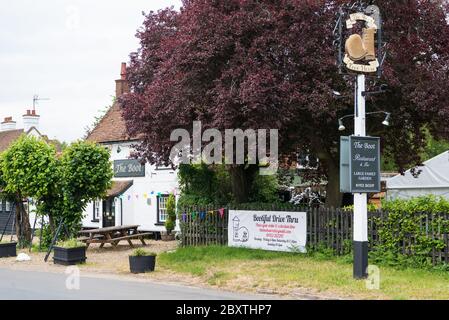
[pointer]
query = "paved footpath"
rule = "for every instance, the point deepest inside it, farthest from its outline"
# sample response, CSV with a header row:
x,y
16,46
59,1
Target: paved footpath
x,y
15,284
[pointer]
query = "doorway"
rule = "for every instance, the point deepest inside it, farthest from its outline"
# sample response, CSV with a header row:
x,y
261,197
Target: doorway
x,y
109,212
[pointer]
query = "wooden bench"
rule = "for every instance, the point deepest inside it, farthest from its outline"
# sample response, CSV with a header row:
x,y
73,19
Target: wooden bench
x,y
84,239
116,240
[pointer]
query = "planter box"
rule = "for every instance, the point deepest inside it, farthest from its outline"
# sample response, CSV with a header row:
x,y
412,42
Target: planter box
x,y
8,249
69,256
142,264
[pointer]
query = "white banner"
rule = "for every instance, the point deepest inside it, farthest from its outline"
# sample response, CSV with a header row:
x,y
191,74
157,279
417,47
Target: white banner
x,y
268,230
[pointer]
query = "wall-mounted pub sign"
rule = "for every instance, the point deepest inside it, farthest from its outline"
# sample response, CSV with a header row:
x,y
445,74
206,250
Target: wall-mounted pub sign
x,y
128,168
359,164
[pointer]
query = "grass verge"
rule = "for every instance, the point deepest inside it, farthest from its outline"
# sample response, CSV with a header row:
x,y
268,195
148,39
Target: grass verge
x,y
291,273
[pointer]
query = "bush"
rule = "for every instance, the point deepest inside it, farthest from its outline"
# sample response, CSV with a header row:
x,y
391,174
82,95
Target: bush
x,y
404,233
71,243
170,223
142,253
47,236
5,241
265,189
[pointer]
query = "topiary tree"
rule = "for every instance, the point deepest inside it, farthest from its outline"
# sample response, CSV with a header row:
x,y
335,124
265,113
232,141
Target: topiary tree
x,y
170,223
29,169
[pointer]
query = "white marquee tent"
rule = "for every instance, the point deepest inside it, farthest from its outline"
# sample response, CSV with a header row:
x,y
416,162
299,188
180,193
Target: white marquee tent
x,y
433,179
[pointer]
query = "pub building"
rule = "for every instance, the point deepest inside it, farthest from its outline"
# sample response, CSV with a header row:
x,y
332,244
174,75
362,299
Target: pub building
x,y
139,192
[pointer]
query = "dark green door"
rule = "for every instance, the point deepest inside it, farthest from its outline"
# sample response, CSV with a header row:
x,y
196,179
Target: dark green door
x,y
108,212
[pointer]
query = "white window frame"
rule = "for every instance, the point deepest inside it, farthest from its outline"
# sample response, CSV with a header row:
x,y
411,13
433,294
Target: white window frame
x,y
96,210
162,208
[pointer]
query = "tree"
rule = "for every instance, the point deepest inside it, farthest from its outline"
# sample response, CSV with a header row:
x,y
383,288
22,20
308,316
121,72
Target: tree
x,y
29,170
86,175
271,64
61,186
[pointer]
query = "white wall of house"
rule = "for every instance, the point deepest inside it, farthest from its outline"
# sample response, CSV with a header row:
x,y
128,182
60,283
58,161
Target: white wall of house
x,y
138,205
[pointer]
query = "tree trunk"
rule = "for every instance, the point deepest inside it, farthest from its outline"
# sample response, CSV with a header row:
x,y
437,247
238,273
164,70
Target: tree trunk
x,y
23,227
51,222
242,180
333,194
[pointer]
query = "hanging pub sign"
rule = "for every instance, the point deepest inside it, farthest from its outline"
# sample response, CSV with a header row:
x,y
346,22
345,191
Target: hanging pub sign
x,y
359,164
359,51
128,168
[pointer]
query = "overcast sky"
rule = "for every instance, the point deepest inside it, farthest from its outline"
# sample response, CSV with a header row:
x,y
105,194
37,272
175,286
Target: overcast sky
x,y
68,51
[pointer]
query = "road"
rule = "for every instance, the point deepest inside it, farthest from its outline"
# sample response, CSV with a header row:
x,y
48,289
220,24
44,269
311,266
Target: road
x,y
23,285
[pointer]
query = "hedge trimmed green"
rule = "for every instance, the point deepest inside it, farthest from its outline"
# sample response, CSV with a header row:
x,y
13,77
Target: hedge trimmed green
x,y
406,233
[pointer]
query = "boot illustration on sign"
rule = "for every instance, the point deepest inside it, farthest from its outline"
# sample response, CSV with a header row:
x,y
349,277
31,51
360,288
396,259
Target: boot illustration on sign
x,y
240,233
361,47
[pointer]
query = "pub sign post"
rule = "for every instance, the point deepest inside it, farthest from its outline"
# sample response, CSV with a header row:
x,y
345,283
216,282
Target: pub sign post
x,y
360,54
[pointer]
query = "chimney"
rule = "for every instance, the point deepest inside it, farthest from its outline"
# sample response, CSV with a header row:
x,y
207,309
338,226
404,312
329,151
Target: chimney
x,y
30,120
121,85
8,124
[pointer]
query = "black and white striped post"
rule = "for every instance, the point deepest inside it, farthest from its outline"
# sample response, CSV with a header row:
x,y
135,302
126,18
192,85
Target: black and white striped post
x,y
360,227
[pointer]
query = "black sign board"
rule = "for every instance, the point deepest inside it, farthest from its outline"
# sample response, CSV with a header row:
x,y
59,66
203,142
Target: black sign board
x,y
364,164
128,168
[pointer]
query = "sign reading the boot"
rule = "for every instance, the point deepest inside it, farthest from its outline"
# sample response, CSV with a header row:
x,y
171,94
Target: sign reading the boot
x,y
360,172
360,51
128,168
268,230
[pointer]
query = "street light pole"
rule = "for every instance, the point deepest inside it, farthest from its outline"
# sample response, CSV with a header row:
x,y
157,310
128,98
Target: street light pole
x,y
360,224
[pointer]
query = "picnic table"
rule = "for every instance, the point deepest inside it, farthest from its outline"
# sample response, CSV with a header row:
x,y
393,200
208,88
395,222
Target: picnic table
x,y
112,235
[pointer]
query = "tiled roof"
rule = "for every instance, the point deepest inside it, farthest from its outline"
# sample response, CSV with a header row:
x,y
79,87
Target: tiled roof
x,y
111,128
119,187
8,137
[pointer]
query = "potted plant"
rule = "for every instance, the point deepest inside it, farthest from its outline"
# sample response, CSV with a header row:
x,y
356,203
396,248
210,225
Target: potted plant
x,y
8,249
170,222
69,252
141,261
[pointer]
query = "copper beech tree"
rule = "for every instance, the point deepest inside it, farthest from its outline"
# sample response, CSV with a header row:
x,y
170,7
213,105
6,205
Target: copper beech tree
x,y
271,64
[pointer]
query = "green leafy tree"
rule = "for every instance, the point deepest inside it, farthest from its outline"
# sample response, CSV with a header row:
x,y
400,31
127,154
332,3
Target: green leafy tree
x,y
170,223
86,174
29,169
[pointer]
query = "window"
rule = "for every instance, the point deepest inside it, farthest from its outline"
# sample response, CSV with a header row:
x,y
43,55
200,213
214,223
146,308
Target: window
x,y
162,208
7,206
96,214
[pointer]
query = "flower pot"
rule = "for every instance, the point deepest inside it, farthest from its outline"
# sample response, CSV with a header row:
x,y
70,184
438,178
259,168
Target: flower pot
x,y
141,264
8,249
167,236
69,256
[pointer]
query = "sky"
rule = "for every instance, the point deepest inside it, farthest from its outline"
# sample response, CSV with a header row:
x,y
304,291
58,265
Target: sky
x,y
69,51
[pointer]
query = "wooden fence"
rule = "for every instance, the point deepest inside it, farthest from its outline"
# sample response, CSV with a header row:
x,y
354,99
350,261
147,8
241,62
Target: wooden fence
x,y
204,226
326,228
